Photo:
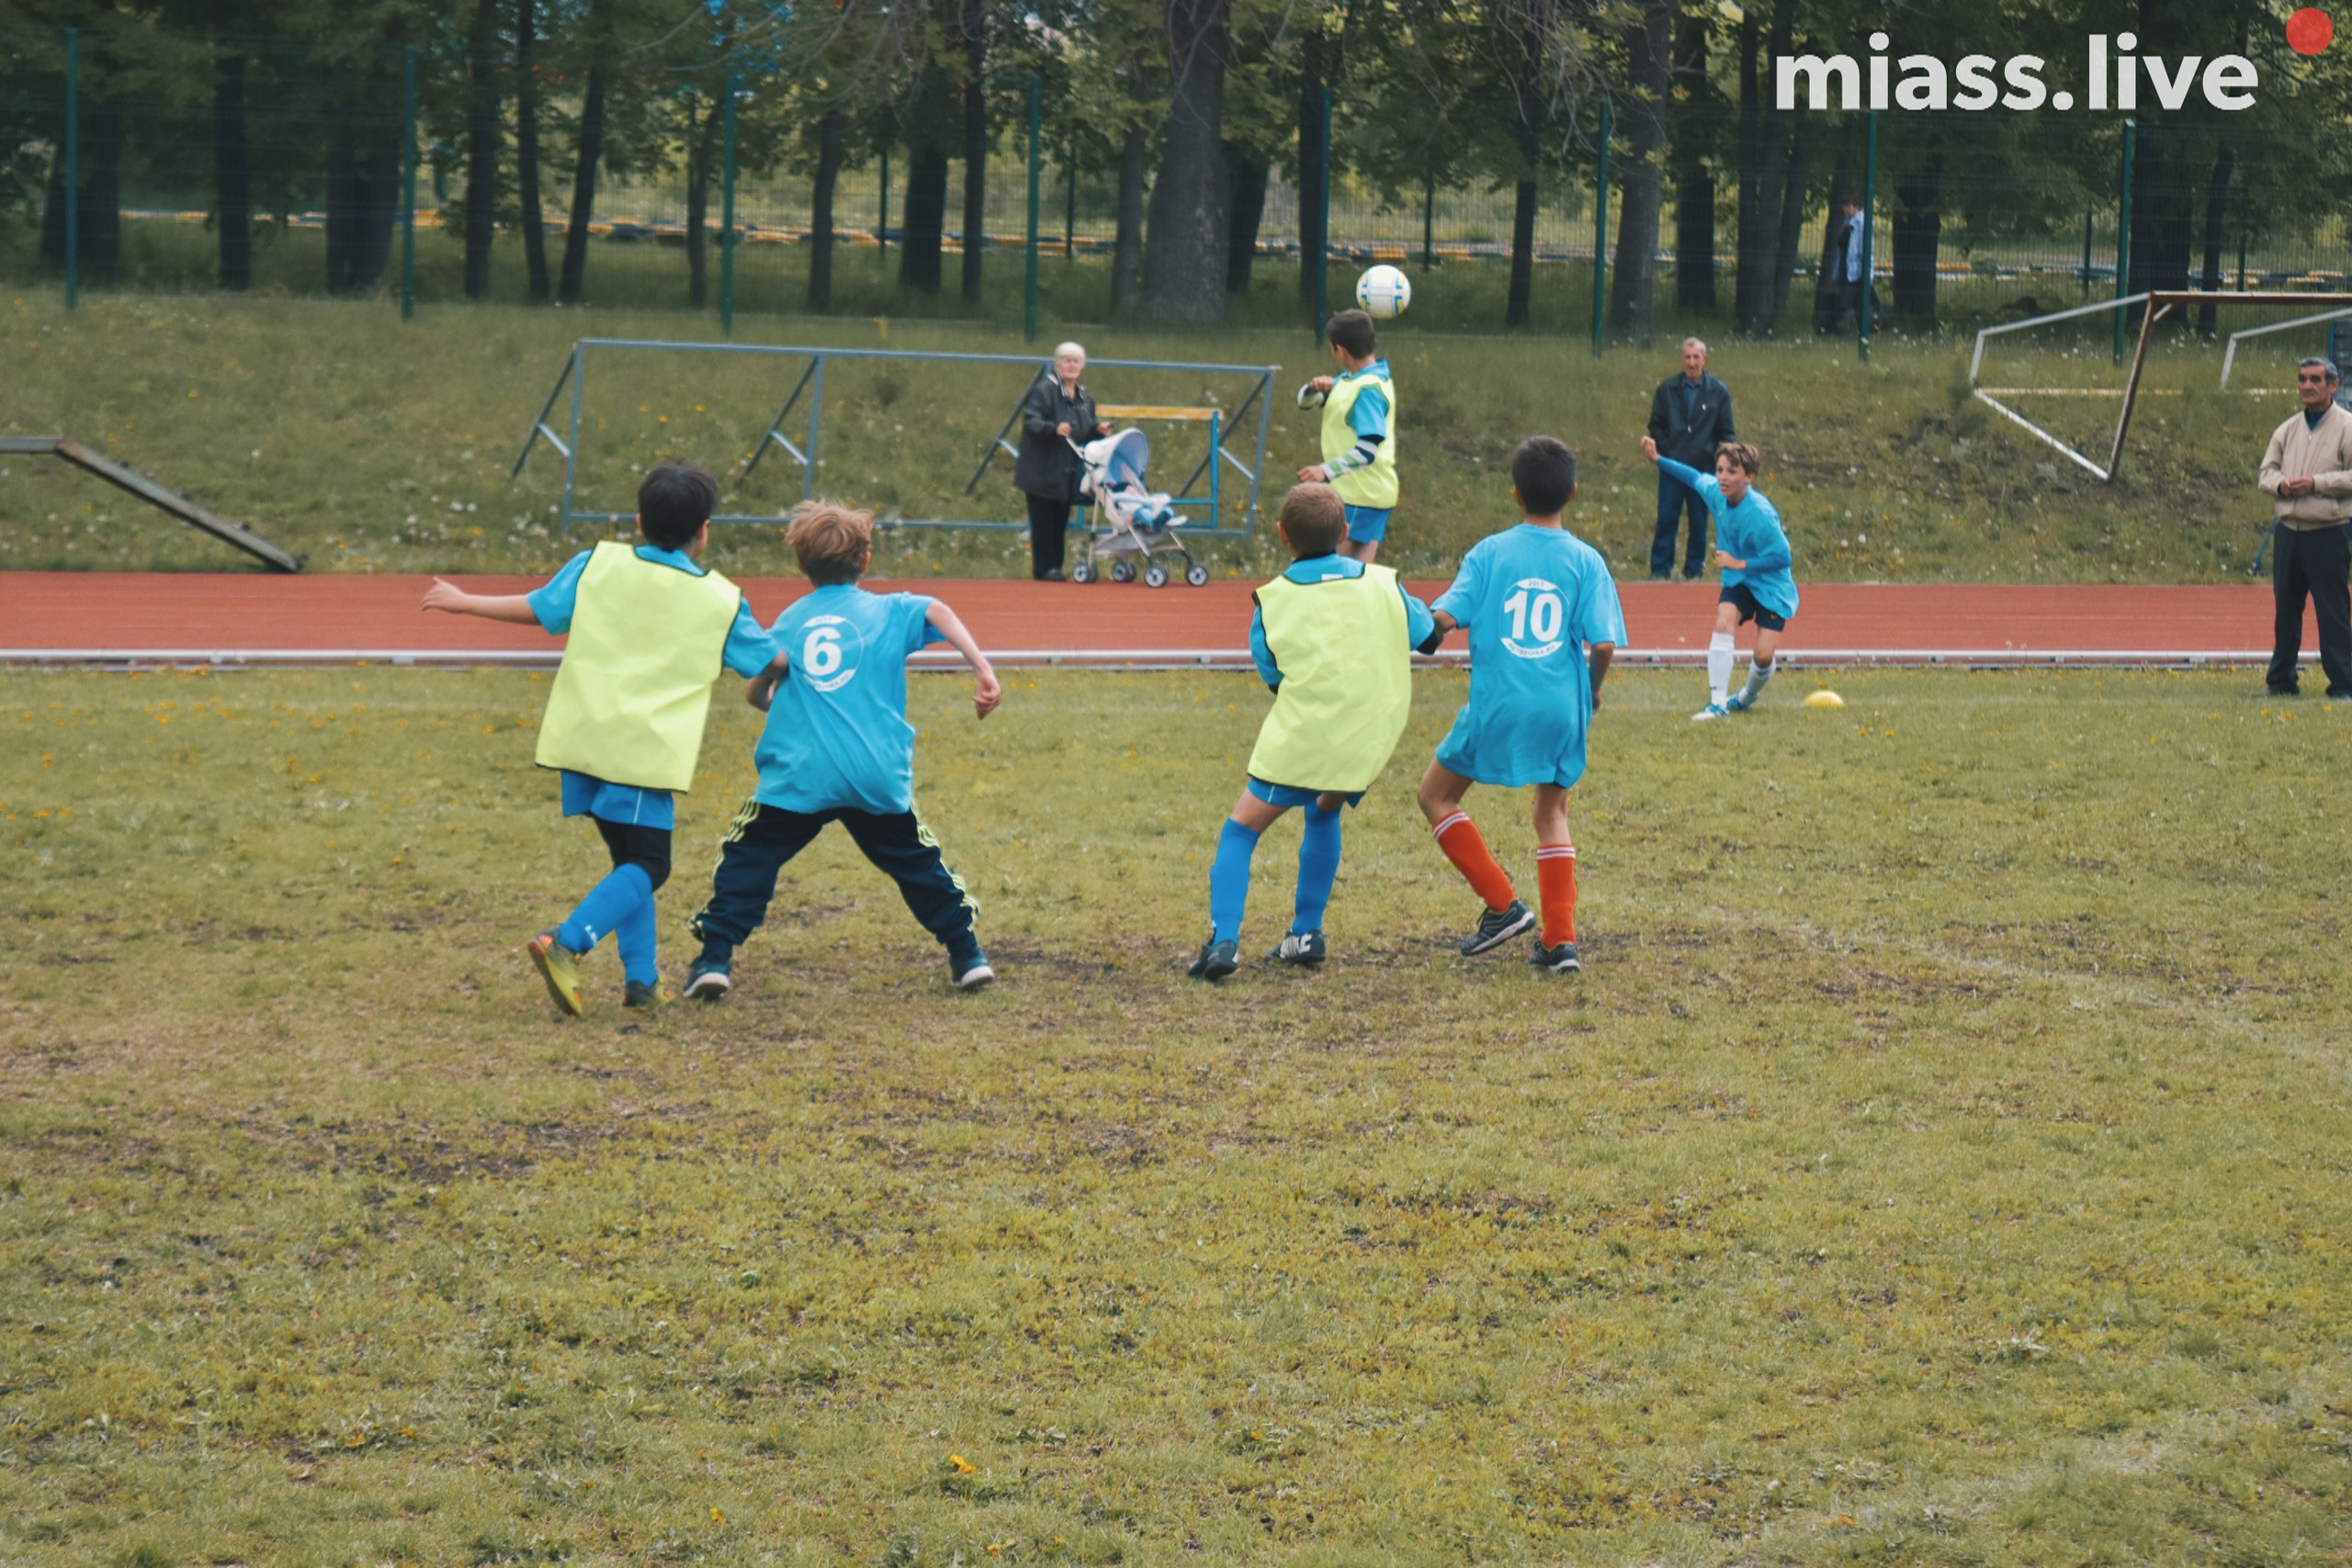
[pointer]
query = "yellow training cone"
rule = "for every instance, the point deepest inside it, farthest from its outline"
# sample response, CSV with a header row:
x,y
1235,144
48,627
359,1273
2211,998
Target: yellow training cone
x,y
1824,699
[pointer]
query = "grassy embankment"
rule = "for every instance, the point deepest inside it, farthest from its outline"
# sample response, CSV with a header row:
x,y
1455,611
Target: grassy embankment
x,y
371,445
1940,1160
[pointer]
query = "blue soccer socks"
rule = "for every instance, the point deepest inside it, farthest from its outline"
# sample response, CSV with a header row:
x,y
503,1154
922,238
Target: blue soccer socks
x,y
1319,867
1229,879
639,945
608,904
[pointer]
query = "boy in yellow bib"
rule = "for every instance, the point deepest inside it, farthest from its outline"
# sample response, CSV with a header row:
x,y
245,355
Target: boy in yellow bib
x,y
1334,639
1359,436
649,630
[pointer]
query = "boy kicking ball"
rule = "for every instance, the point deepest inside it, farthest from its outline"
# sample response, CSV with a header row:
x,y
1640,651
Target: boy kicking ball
x,y
1334,638
1753,551
648,628
837,748
1541,611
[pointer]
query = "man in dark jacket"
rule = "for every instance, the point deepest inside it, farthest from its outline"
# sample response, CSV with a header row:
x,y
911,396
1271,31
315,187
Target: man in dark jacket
x,y
1058,412
1690,417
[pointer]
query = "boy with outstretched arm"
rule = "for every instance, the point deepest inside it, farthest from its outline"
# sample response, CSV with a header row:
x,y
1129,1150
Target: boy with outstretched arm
x,y
648,629
1753,551
1541,611
837,748
1334,638
1358,436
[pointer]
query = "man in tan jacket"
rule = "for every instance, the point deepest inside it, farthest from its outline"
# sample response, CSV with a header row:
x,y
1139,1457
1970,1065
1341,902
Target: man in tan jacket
x,y
2308,471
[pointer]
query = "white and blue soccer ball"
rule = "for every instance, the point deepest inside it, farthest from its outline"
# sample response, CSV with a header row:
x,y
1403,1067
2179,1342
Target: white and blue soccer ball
x,y
1384,292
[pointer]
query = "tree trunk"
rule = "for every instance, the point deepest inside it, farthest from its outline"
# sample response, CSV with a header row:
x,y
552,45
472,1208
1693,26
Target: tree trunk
x,y
702,150
363,191
923,221
99,225
975,146
233,172
1522,298
1313,238
1918,237
584,188
1127,252
1534,114
527,153
830,134
1245,175
1633,292
481,147
1694,185
1794,183
2217,212
1751,260
1183,272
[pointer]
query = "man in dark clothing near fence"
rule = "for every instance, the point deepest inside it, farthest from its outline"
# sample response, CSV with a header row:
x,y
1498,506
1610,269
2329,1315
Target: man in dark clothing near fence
x,y
1690,417
2307,473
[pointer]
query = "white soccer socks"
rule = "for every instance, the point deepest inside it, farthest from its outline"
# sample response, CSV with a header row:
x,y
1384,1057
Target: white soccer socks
x,y
1719,653
1756,675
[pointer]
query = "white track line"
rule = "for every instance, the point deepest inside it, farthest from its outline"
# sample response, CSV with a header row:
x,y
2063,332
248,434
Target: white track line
x,y
1136,658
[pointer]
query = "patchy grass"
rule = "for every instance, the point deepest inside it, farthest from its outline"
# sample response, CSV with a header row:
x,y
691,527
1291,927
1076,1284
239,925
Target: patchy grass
x,y
1940,1160
368,445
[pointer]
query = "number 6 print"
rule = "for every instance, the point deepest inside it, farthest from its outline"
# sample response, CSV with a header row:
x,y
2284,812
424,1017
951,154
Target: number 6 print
x,y
829,652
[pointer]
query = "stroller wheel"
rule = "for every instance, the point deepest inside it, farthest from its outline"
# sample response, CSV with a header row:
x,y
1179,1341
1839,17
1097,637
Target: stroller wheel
x,y
1082,573
1197,575
1155,576
1123,571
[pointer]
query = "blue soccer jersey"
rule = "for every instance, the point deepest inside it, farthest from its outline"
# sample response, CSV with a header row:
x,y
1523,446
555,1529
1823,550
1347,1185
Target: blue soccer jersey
x,y
837,734
1749,532
1531,599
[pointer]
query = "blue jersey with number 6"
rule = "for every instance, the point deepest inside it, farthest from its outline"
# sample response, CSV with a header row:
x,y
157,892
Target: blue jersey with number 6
x,y
837,733
1531,599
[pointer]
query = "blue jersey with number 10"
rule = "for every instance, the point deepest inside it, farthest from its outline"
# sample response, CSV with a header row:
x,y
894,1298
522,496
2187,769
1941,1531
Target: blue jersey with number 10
x,y
837,734
1532,600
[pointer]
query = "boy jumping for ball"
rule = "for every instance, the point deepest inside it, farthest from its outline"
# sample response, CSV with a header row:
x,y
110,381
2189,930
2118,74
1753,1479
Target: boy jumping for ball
x,y
1753,551
648,629
1333,638
1541,611
1358,433
837,748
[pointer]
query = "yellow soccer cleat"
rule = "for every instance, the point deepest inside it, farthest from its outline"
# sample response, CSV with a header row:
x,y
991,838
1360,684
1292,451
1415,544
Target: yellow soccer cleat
x,y
559,968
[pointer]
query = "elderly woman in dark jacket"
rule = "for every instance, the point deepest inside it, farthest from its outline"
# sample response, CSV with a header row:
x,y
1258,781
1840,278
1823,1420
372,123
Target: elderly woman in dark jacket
x,y
1057,412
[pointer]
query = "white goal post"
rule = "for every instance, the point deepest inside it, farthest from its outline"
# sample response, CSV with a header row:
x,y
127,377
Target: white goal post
x,y
2160,303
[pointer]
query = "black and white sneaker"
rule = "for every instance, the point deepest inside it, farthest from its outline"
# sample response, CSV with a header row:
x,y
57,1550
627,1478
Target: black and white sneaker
x,y
708,979
1304,949
1217,960
1497,927
1560,960
969,970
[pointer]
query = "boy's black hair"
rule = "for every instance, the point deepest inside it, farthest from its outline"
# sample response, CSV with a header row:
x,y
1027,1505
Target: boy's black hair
x,y
673,502
1351,332
1543,471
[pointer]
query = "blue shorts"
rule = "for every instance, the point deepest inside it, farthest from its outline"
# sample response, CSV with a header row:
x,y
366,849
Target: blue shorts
x,y
1288,796
1369,525
1749,610
584,795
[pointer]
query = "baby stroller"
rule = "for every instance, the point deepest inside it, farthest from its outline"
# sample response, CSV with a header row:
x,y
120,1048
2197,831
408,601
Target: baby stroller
x,y
1130,526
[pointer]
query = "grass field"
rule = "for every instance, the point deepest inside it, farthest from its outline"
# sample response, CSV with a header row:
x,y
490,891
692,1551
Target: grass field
x,y
1942,1160
370,445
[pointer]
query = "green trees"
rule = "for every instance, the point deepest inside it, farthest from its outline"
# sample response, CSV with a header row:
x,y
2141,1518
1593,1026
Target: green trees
x,y
1198,129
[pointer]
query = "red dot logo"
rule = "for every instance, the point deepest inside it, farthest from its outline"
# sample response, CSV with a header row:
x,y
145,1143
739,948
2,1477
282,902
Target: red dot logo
x,y
2309,31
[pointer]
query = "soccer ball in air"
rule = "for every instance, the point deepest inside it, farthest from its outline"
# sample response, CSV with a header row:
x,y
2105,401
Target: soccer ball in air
x,y
1383,292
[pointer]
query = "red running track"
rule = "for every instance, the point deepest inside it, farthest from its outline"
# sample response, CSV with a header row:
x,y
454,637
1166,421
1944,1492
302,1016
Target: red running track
x,y
162,617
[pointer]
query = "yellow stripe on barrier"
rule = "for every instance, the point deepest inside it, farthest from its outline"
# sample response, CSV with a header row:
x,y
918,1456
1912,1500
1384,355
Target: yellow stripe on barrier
x,y
1154,410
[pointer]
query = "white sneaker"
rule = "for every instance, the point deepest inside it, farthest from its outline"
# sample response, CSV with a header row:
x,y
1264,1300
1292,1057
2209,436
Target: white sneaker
x,y
1713,710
